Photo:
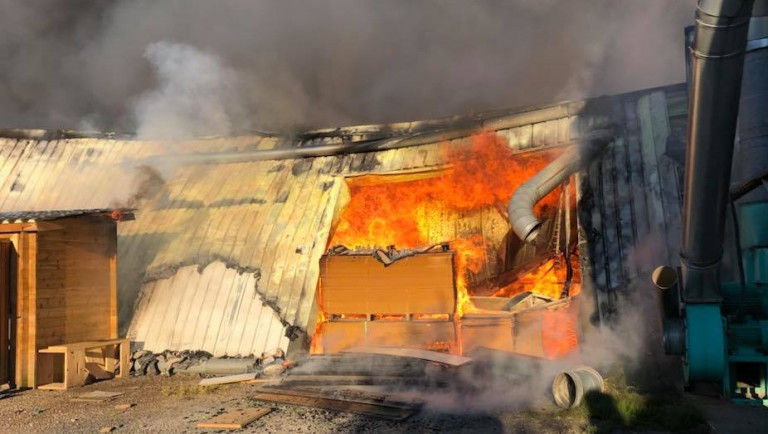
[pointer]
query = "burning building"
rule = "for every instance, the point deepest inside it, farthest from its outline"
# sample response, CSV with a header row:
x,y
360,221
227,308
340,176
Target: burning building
x,y
384,234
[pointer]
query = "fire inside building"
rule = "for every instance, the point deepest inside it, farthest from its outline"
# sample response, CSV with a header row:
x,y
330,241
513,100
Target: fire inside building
x,y
491,231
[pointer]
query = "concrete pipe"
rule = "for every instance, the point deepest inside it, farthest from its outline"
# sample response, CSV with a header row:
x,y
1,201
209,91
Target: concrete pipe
x,y
570,387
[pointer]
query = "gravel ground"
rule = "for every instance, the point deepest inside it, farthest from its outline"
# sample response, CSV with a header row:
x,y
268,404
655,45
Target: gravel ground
x,y
175,404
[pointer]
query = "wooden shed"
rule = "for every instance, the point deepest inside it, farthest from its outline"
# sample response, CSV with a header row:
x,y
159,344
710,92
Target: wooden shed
x,y
58,284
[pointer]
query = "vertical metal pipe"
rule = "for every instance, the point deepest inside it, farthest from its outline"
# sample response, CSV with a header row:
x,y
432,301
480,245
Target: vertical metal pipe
x,y
718,61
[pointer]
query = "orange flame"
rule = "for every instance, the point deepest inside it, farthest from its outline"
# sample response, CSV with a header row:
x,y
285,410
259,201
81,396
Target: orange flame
x,y
424,209
470,257
558,330
482,174
547,279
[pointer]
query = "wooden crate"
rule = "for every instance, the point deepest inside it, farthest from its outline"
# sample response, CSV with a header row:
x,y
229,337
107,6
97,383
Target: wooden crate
x,y
359,284
68,365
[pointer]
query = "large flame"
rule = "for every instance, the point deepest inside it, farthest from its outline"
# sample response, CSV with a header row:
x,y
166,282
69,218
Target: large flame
x,y
547,279
408,212
483,174
479,175
470,257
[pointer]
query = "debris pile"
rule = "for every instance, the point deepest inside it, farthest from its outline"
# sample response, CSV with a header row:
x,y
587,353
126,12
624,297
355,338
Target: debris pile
x,y
200,362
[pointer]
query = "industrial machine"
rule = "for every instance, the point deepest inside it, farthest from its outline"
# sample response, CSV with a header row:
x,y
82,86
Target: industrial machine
x,y
716,310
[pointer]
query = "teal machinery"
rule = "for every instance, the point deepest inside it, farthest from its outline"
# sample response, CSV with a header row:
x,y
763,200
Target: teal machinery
x,y
715,310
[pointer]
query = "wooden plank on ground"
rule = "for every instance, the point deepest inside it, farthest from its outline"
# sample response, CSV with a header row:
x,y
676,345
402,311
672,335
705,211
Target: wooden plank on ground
x,y
227,379
97,371
235,419
310,399
432,356
267,381
96,396
343,379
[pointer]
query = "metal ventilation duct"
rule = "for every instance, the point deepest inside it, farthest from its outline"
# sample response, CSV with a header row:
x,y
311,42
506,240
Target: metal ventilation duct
x,y
524,222
718,62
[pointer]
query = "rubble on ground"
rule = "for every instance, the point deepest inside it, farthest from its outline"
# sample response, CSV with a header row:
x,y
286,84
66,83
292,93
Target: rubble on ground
x,y
169,362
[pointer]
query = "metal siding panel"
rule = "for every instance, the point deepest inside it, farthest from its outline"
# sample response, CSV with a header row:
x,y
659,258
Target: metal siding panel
x,y
205,320
611,223
102,191
190,283
314,239
233,287
597,239
238,222
45,197
178,288
268,217
281,236
296,234
239,317
7,161
18,159
273,182
142,317
34,179
638,182
307,299
653,195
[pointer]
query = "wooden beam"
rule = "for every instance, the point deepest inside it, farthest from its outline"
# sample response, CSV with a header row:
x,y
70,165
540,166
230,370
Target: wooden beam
x,y
432,356
112,243
17,227
235,419
238,378
378,410
26,293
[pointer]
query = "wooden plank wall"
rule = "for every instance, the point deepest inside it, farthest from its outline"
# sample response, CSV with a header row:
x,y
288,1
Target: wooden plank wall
x,y
5,311
75,281
25,248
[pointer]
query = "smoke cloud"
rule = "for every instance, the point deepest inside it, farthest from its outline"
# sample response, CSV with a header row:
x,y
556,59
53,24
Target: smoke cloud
x,y
196,95
200,67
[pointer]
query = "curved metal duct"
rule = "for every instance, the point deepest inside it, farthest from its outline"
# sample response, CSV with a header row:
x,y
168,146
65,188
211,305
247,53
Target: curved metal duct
x,y
524,222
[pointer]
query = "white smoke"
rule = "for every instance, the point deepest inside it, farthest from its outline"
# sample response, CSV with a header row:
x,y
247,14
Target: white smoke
x,y
196,95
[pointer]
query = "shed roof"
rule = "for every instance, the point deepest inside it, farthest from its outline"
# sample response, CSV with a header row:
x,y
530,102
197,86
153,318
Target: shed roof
x,y
28,216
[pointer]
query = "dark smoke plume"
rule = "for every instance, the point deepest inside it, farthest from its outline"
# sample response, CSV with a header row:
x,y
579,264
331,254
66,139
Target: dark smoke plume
x,y
130,65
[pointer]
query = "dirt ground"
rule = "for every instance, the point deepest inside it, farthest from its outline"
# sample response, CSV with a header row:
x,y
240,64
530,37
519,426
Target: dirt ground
x,y
175,405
